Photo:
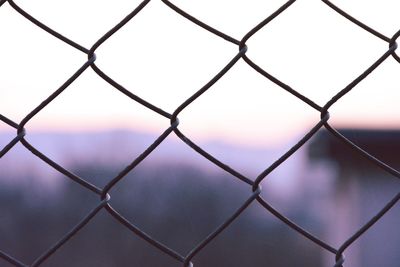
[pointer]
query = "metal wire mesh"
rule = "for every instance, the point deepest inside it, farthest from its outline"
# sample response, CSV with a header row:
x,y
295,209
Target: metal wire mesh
x,y
254,185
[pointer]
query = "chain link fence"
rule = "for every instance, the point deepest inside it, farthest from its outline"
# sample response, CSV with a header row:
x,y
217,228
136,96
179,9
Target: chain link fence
x,y
254,184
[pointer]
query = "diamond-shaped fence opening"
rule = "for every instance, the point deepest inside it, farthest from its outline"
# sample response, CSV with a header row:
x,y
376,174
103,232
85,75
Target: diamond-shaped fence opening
x,y
308,53
103,192
187,58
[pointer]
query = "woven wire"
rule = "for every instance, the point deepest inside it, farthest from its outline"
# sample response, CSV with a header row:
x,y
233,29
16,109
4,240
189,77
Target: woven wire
x,y
254,185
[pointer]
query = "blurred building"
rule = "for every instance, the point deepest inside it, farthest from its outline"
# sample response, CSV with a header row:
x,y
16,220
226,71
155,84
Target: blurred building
x,y
359,190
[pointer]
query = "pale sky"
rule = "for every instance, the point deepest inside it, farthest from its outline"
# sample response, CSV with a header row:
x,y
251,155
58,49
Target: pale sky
x,y
163,58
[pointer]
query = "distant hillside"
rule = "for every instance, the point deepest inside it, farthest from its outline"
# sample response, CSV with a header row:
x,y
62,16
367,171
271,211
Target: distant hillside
x,y
120,147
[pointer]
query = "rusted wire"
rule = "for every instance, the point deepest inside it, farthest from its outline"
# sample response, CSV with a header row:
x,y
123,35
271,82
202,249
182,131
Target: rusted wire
x,y
254,185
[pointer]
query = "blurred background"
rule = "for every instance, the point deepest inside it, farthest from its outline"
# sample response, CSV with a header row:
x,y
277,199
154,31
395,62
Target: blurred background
x,y
246,121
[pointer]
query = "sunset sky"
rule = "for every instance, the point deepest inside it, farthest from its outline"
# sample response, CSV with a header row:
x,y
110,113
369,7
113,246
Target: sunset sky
x,y
163,58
